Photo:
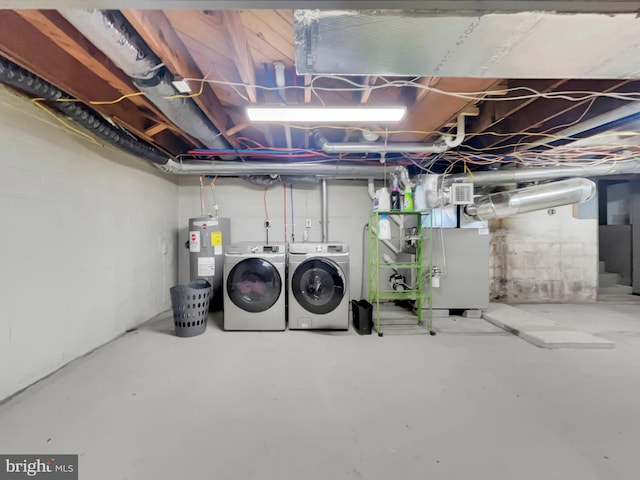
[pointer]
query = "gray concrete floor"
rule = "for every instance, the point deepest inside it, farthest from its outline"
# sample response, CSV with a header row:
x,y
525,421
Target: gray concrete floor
x,y
472,402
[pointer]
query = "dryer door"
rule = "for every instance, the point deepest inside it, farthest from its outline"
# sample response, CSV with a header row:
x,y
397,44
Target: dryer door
x,y
254,285
318,285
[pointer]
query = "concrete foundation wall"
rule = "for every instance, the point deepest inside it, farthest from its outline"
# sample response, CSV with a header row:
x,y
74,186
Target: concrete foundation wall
x,y
615,250
537,257
87,247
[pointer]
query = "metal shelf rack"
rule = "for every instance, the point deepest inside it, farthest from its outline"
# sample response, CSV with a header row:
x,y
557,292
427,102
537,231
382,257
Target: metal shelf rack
x,y
414,262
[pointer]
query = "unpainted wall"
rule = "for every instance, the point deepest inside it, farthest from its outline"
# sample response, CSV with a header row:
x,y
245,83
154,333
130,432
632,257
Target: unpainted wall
x,y
87,249
349,208
538,257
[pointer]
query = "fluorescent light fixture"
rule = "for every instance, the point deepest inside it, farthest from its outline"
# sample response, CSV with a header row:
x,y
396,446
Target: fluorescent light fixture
x,y
326,114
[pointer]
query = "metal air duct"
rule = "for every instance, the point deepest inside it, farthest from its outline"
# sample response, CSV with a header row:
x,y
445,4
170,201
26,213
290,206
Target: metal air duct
x,y
538,197
233,169
111,33
462,43
374,147
534,174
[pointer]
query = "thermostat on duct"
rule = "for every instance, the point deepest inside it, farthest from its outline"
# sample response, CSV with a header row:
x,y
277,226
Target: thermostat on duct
x,y
461,194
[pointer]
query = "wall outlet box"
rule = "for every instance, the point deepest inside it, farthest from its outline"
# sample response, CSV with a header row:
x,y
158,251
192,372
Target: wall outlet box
x,y
307,223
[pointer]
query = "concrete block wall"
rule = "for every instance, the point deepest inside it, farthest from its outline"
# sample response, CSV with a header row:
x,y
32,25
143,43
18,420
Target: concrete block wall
x,y
87,248
537,257
349,208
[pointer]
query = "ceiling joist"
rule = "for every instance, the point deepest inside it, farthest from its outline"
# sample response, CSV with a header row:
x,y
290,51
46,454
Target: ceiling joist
x,y
156,30
73,43
33,50
245,64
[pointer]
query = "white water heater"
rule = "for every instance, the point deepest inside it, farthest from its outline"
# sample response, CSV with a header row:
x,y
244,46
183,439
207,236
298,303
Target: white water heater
x,y
207,239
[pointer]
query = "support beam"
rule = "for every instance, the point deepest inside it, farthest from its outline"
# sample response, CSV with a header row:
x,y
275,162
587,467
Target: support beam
x,y
369,80
536,116
156,30
435,110
24,45
244,59
307,88
493,113
156,129
238,128
54,26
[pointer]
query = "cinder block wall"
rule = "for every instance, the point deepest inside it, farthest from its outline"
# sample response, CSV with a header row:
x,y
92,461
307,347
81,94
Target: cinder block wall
x,y
87,247
349,208
537,257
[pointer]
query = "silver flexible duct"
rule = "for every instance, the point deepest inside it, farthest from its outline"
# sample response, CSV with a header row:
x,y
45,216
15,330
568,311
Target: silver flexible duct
x,y
111,33
538,197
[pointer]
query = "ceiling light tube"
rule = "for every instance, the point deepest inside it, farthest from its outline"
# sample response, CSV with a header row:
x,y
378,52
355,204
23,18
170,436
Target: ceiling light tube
x,y
326,114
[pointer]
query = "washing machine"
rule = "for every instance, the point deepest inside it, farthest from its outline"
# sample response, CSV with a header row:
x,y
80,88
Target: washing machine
x,y
255,286
318,286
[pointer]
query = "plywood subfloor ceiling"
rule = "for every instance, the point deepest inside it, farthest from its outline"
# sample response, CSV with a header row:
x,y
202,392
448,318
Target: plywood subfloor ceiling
x,y
240,47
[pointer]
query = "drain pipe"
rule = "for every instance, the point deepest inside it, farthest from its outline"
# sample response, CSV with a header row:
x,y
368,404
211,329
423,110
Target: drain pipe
x,y
460,133
374,147
113,35
530,199
445,144
325,212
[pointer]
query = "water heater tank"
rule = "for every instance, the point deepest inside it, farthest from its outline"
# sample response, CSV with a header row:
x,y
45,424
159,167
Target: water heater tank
x,y
207,239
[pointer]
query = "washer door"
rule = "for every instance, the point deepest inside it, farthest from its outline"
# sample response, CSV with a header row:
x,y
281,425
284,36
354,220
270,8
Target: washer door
x,y
254,285
318,285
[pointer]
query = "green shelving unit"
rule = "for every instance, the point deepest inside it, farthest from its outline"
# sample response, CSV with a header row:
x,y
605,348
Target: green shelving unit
x,y
413,264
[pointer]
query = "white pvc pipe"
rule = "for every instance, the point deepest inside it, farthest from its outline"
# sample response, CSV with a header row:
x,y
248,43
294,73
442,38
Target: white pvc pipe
x,y
460,133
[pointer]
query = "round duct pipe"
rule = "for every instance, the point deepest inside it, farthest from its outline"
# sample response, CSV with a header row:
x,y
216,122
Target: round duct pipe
x,y
530,199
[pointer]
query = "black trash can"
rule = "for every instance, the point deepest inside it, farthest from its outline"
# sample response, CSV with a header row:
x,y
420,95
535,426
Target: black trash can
x,y
362,316
190,304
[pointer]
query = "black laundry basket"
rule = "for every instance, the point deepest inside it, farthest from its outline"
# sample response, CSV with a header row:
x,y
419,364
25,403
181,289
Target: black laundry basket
x,y
190,305
362,312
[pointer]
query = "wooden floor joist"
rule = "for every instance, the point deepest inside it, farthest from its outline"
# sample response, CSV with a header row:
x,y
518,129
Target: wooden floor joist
x,y
157,31
26,46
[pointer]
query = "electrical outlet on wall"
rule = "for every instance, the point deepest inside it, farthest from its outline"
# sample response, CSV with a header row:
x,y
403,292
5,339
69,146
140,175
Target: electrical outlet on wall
x,y
267,224
307,223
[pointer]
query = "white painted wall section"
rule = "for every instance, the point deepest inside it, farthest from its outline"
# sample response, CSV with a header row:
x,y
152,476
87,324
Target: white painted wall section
x,y
88,243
